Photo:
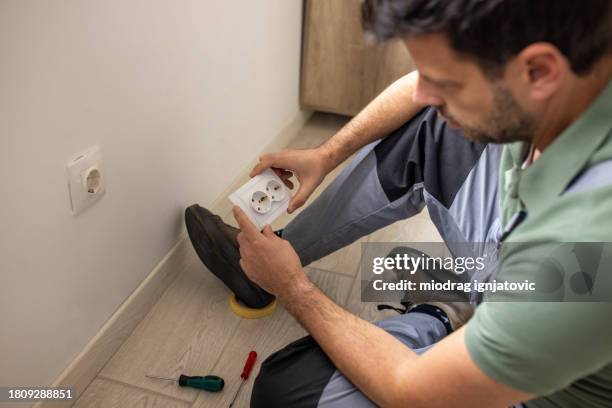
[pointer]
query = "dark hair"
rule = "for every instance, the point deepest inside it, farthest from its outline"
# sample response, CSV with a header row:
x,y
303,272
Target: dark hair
x,y
493,31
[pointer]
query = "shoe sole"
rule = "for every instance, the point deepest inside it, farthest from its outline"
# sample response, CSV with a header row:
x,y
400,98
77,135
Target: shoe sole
x,y
221,257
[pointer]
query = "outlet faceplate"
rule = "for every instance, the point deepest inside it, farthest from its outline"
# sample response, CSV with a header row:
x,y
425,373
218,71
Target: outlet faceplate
x,y
86,183
264,198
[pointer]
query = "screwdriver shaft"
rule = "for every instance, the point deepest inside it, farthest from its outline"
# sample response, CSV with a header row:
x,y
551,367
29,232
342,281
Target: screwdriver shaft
x,y
236,394
161,378
246,371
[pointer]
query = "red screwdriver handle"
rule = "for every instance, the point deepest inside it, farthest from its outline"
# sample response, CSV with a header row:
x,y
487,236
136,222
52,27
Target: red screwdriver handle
x,y
248,366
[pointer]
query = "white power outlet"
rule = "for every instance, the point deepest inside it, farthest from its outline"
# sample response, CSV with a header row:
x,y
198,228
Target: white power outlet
x,y
86,182
264,198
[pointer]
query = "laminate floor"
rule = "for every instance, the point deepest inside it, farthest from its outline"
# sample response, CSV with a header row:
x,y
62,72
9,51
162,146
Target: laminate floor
x,y
191,330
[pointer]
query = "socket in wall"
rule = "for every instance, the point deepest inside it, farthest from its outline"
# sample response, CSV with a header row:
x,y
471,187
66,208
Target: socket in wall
x,y
86,181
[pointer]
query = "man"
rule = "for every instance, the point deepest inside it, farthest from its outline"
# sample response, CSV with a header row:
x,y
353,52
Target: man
x,y
531,74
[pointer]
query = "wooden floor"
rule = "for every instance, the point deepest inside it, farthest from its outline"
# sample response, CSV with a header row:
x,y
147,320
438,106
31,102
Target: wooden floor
x,y
191,329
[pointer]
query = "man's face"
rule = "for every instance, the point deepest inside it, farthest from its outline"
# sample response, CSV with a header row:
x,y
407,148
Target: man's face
x,y
484,110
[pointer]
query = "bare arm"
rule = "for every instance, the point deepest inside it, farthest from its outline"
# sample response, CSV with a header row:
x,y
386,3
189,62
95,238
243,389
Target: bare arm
x,y
387,371
382,367
387,112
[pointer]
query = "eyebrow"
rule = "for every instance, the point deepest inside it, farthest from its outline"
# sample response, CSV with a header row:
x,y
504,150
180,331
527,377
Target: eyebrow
x,y
440,82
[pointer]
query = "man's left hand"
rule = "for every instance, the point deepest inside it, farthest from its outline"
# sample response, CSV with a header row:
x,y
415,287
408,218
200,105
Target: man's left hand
x,y
268,260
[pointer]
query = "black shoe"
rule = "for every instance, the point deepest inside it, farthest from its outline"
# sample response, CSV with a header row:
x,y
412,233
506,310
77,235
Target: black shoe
x,y
215,243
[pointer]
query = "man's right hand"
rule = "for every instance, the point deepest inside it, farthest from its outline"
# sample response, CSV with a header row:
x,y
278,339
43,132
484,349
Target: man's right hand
x,y
310,166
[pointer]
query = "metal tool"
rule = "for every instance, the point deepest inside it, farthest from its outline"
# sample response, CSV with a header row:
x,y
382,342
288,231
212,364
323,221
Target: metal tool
x,y
210,383
248,366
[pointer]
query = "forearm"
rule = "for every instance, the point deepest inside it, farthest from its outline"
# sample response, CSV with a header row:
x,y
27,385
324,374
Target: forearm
x,y
367,355
387,112
378,364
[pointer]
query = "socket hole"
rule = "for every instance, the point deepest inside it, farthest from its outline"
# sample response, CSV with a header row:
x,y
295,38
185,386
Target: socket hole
x,y
275,190
260,201
93,181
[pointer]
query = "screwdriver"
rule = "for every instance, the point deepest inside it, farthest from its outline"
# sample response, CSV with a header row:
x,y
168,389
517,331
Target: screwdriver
x,y
210,383
248,366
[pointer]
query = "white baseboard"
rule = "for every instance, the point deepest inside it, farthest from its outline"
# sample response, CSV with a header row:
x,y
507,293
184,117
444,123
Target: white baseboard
x,y
86,366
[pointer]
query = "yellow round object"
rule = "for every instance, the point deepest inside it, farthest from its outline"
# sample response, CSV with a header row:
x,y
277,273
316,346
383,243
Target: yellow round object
x,y
250,313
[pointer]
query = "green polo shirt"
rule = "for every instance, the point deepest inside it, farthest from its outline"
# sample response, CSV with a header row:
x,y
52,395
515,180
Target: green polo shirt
x,y
561,351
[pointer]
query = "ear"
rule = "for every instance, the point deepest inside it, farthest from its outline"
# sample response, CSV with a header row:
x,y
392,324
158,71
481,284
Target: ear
x,y
545,69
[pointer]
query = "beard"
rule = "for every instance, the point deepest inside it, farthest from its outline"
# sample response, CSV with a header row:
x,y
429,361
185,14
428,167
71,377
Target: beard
x,y
506,123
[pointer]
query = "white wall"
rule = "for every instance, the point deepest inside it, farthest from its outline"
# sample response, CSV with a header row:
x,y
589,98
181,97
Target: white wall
x,y
179,95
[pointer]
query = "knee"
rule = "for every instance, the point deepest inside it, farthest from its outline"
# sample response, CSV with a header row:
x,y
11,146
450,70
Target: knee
x,y
294,376
265,389
272,385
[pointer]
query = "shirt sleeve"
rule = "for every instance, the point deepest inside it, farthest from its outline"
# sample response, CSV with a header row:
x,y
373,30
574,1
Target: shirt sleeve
x,y
539,347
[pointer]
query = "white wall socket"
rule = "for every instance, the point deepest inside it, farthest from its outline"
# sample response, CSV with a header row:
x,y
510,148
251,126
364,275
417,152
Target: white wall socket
x,y
264,198
86,181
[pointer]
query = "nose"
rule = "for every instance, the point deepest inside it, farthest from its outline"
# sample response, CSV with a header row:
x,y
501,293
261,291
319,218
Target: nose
x,y
424,95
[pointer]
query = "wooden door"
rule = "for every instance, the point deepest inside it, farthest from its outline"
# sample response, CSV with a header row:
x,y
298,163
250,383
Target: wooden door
x,y
341,73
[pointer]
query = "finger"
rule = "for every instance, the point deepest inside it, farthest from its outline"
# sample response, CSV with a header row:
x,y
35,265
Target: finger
x,y
279,172
299,198
285,178
264,163
268,232
289,184
249,229
282,173
281,160
240,239
286,175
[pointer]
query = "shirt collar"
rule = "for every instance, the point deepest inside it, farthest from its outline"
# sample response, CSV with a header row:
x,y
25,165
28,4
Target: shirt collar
x,y
563,159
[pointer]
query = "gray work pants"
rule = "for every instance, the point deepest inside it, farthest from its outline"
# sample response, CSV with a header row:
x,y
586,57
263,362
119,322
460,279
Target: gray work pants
x,y
423,163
